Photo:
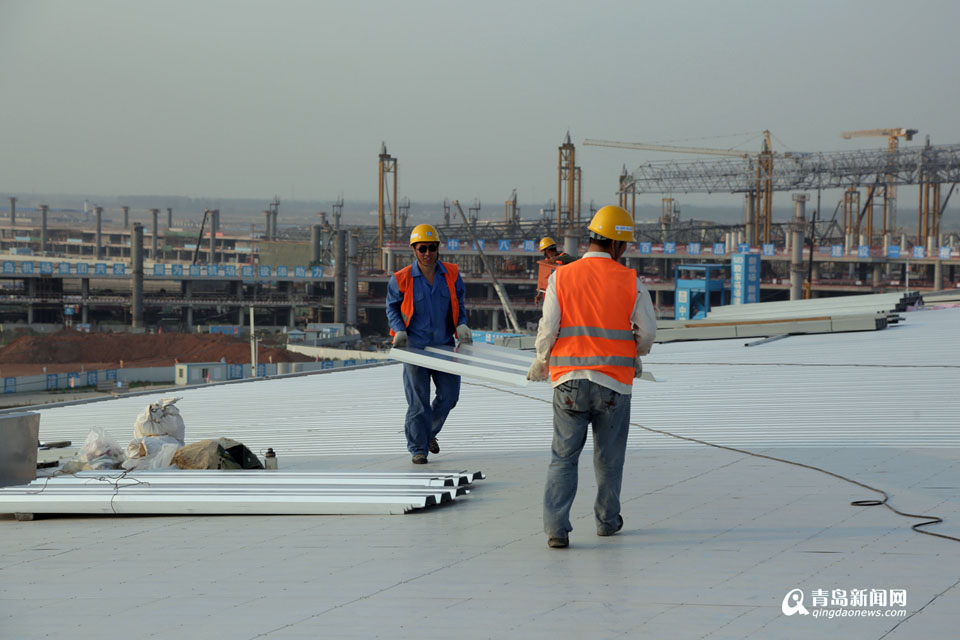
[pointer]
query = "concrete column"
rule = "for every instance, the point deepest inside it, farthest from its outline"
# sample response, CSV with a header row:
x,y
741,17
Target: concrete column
x,y
136,254
187,295
126,217
353,273
886,247
495,320
84,294
240,315
98,237
13,211
876,275
43,228
938,275
266,229
339,274
273,225
292,317
315,248
796,263
570,244
32,293
169,217
391,261
155,244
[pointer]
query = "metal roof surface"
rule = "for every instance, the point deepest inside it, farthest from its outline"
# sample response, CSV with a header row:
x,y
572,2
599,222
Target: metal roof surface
x,y
891,387
714,540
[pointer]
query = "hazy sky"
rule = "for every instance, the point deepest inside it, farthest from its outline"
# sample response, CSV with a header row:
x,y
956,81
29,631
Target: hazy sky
x,y
243,99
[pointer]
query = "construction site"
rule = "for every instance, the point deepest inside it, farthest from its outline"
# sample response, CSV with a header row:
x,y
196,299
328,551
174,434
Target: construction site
x,y
792,452
848,232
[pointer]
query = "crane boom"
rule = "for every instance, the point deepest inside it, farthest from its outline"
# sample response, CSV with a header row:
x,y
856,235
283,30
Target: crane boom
x,y
641,146
893,132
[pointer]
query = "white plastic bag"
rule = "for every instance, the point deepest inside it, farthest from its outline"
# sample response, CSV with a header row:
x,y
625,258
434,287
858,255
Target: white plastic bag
x,y
155,452
99,451
158,432
160,418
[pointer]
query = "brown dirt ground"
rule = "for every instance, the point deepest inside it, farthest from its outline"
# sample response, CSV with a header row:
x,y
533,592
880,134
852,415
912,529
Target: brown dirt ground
x,y
71,350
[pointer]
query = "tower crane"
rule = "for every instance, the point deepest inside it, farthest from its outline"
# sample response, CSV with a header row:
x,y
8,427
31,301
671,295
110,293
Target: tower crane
x,y
642,146
759,200
893,135
511,212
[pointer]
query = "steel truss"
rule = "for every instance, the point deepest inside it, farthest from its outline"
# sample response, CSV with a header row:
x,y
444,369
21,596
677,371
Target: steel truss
x,y
804,171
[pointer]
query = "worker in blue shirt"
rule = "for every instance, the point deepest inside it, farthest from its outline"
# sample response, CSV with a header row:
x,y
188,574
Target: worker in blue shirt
x,y
425,311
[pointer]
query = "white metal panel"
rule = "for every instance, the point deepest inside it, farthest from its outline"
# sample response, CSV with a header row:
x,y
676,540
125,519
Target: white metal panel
x,y
231,492
471,355
471,368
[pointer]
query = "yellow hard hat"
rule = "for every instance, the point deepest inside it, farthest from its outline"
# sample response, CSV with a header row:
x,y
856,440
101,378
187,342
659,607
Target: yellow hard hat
x,y
613,222
424,233
547,241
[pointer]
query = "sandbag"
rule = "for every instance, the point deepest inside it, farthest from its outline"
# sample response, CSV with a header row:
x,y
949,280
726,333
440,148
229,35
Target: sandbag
x,y
152,452
160,418
158,428
222,453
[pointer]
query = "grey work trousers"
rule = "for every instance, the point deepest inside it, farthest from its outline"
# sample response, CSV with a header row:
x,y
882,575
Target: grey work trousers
x,y
576,405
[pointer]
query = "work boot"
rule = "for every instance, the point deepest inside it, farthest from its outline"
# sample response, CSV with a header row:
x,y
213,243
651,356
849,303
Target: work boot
x,y
558,543
420,459
434,446
605,531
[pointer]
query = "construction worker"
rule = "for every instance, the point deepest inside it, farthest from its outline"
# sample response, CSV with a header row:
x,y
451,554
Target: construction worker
x,y
597,321
425,310
550,252
551,260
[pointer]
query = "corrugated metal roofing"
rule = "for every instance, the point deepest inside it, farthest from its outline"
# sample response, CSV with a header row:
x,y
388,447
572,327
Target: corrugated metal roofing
x,y
834,306
896,387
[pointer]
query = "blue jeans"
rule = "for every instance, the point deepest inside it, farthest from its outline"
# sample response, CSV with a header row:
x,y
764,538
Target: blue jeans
x,y
425,419
577,404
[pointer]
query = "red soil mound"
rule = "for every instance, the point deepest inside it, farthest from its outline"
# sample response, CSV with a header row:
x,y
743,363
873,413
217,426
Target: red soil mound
x,y
67,350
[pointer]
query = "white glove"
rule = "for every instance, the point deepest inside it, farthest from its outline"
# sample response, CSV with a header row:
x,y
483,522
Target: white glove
x,y
539,371
637,368
400,339
464,335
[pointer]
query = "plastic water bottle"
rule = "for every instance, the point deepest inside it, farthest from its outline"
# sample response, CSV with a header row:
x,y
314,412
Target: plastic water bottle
x,y
270,460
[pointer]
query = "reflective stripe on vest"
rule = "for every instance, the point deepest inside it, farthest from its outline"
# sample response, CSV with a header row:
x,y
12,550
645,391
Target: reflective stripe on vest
x,y
405,284
596,298
597,332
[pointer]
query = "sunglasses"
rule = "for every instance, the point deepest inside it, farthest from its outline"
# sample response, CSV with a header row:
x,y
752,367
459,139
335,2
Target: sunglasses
x,y
428,247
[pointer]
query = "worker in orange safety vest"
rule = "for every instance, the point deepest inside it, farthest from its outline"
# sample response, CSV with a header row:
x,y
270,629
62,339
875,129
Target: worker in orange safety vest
x,y
425,310
597,321
548,246
552,258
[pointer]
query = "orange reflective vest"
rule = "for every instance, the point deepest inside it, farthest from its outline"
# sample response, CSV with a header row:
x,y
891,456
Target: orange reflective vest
x,y
546,267
596,298
405,283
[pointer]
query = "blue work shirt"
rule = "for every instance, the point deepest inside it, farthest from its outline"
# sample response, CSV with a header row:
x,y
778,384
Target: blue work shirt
x,y
432,321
